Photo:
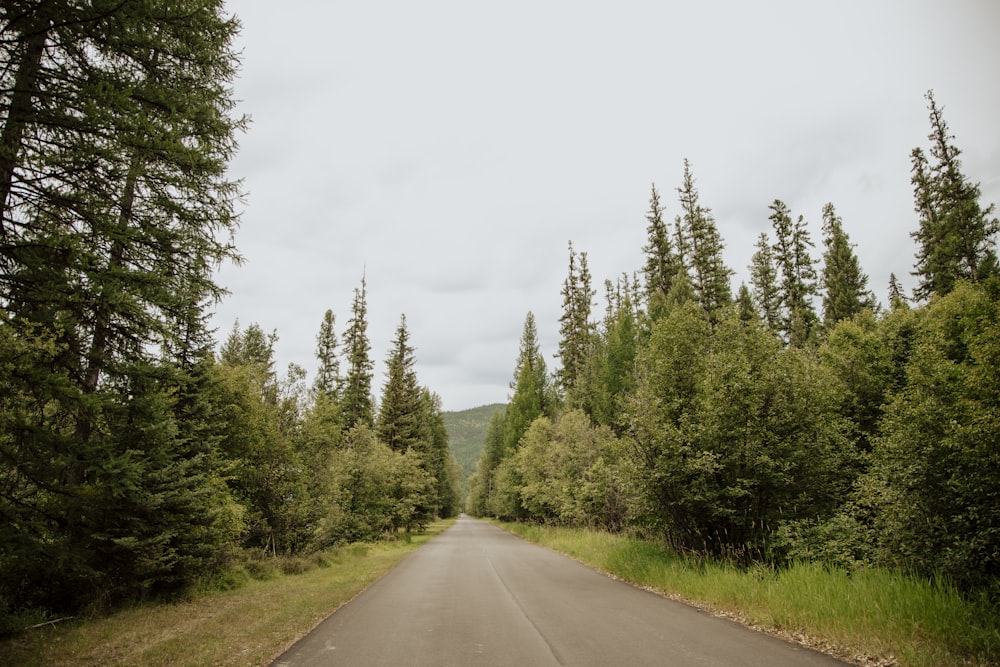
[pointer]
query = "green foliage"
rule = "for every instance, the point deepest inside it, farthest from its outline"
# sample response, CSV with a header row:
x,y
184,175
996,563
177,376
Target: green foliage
x,y
568,473
327,382
845,286
401,423
704,262
575,328
356,397
378,490
956,238
797,283
858,355
731,445
764,278
115,209
935,478
662,262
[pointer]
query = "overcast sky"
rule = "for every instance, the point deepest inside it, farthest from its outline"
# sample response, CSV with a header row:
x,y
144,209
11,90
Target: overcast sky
x,y
449,150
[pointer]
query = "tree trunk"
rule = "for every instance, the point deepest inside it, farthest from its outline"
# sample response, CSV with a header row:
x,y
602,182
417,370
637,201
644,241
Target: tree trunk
x,y
19,114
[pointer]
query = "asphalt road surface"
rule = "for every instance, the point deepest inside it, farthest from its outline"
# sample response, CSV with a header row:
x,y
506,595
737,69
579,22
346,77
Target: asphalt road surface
x,y
477,595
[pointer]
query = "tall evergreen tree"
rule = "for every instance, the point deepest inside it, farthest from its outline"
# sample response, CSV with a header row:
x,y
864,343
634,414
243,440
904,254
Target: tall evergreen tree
x,y
845,285
530,384
327,383
115,209
956,238
400,421
764,279
797,286
706,266
439,461
745,306
575,328
356,401
896,295
662,263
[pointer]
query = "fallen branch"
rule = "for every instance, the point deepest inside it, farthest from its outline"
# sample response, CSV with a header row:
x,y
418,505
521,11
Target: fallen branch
x,y
53,622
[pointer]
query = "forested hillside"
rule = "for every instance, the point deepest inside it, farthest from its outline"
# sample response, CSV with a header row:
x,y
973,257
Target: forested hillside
x,y
467,433
136,460
794,418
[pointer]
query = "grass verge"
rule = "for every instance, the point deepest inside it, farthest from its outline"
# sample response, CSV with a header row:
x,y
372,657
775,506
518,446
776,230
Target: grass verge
x,y
871,616
250,625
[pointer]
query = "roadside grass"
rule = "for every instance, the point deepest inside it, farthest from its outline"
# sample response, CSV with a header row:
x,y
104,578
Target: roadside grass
x,y
869,616
264,612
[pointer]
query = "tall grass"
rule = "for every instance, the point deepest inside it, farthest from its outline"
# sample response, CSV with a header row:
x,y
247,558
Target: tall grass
x,y
247,617
870,614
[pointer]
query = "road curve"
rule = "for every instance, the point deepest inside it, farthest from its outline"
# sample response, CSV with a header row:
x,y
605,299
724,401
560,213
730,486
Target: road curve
x,y
477,595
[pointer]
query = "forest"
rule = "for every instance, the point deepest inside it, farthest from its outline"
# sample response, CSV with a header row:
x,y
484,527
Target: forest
x,y
793,419
136,459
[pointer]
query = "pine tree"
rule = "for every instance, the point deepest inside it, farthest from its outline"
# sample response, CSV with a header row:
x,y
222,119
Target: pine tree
x,y
764,279
956,238
707,268
797,286
575,328
327,383
356,400
845,285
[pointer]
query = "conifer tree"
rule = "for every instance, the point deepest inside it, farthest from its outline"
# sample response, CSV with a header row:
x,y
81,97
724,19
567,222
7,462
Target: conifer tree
x,y
575,328
662,263
896,295
530,384
706,266
764,279
845,285
745,307
956,238
797,286
327,383
400,421
356,400
116,128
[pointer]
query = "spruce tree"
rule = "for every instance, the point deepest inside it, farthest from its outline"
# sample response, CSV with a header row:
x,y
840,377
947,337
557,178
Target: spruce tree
x,y
530,384
896,296
400,421
956,238
797,285
575,328
845,285
662,263
706,266
356,400
115,209
327,383
764,279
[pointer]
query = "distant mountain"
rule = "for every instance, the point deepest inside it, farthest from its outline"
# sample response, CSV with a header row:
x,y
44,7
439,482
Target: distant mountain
x,y
467,433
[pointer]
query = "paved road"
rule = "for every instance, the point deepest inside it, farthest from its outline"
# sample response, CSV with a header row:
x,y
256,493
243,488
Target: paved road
x,y
476,595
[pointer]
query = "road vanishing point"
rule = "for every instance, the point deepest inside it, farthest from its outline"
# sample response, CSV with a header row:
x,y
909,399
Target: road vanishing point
x,y
477,595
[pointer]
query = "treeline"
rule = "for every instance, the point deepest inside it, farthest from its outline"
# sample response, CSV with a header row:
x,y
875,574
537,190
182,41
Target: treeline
x,y
135,461
794,419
